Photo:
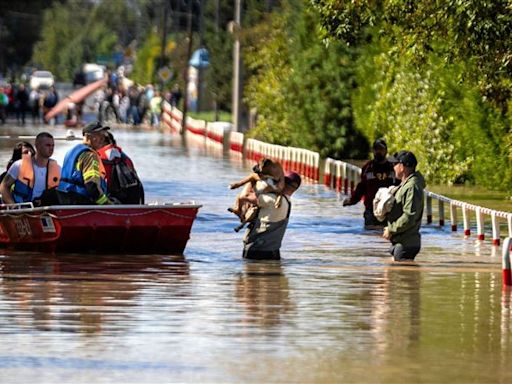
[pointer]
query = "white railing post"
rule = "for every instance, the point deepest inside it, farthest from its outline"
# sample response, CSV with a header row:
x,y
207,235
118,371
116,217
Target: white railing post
x,y
495,229
429,209
453,216
507,274
465,218
479,224
441,212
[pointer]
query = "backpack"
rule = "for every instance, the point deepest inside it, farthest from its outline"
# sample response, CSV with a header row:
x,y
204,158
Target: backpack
x,y
125,185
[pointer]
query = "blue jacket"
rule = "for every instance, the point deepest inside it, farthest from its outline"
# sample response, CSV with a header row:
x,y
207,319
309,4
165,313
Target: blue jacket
x,y
72,179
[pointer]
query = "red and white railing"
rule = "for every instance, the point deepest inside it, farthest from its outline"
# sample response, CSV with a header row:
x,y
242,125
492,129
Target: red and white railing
x,y
495,217
341,176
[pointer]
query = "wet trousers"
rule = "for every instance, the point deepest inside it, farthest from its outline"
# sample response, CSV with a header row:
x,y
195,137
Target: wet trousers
x,y
401,253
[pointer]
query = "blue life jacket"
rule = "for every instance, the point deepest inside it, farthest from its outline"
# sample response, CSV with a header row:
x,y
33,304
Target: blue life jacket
x,y
72,179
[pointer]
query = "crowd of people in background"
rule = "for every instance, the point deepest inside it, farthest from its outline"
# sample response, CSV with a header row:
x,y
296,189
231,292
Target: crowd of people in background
x,y
134,104
17,101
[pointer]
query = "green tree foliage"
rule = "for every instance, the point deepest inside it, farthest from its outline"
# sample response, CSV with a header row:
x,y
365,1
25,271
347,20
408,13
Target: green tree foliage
x,y
147,59
300,87
71,35
61,50
219,42
267,57
433,77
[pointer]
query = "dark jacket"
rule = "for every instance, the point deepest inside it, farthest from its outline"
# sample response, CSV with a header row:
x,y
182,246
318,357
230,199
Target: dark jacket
x,y
373,176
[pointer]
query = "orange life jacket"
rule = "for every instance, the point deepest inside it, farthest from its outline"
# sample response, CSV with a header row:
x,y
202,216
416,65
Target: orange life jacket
x,y
24,185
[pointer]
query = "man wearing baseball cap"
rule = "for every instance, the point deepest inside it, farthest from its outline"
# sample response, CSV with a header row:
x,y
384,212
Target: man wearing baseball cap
x,y
263,239
376,173
404,219
83,175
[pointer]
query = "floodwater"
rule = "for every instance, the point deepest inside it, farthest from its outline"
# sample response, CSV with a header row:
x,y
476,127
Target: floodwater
x,y
335,309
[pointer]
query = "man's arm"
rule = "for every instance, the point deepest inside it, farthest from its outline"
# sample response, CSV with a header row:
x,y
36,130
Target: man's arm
x,y
357,195
92,177
360,188
5,189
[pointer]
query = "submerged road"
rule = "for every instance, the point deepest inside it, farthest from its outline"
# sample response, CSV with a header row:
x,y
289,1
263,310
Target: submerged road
x,y
335,309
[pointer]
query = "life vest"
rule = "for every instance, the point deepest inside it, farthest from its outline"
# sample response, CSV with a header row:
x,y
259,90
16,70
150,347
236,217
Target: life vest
x,y
122,180
24,186
110,155
72,179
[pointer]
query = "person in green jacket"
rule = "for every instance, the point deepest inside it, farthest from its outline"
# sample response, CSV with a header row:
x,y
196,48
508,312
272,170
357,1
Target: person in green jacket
x,y
404,219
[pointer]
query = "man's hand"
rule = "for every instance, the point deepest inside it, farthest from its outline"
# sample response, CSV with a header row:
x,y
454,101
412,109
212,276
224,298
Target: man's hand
x,y
386,234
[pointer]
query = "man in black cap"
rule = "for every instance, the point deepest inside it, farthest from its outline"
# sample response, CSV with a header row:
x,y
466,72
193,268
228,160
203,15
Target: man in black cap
x,y
83,175
404,219
375,174
263,239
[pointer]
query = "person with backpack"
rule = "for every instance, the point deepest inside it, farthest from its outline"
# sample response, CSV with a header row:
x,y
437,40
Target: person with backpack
x,y
122,180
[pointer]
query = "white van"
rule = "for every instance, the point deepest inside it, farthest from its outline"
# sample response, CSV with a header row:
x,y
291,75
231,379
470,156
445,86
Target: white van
x,y
89,73
93,72
41,80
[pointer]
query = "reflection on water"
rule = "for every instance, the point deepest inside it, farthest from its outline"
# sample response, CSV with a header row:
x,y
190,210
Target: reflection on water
x,y
262,289
69,293
335,309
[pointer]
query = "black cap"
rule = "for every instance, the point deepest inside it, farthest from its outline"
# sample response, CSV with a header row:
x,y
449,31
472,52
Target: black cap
x,y
293,179
94,128
380,143
405,157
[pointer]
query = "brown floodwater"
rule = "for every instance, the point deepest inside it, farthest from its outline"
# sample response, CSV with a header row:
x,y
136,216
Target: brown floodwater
x,y
334,309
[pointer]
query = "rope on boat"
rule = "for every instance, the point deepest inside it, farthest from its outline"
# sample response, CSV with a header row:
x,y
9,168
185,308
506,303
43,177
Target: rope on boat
x,y
62,217
31,215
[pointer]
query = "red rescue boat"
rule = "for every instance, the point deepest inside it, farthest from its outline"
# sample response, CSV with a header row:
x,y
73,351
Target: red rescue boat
x,y
133,229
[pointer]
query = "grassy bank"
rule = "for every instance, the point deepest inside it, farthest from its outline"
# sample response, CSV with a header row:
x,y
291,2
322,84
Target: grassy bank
x,y
210,116
475,195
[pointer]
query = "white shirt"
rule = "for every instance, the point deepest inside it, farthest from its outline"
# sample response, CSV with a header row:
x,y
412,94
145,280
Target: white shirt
x,y
39,177
268,212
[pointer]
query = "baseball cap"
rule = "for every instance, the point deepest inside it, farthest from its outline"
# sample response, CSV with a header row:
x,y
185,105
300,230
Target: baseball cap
x,y
293,178
94,128
379,143
407,158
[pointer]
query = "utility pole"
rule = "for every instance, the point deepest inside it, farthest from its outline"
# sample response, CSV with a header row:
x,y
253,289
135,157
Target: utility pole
x,y
164,37
237,80
200,69
189,52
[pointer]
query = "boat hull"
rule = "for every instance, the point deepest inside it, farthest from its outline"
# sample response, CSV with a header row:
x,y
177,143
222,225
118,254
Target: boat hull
x,y
133,229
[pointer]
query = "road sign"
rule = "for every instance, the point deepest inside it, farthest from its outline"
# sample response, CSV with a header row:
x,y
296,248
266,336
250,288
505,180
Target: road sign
x,y
200,58
165,74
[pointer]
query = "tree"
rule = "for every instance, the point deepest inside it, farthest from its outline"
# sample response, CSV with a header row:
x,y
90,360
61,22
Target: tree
x,y
301,87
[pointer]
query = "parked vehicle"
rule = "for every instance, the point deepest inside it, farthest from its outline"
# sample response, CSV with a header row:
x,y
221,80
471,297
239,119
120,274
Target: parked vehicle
x,y
41,80
89,73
